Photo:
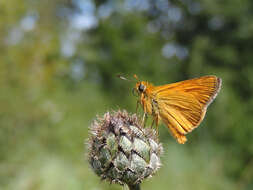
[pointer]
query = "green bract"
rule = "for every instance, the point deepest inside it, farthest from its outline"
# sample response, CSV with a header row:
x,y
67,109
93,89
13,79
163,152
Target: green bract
x,y
121,150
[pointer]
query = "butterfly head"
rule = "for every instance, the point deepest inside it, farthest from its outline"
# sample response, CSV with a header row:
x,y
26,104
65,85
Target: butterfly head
x,y
140,88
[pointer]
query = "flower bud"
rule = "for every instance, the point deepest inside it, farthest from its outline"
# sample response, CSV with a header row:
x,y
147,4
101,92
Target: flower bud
x,y
121,150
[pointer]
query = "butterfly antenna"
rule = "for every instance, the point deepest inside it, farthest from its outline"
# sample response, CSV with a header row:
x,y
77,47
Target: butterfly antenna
x,y
126,79
136,77
123,78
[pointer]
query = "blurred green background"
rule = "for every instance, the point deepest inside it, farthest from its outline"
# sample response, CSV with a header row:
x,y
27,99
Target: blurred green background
x,y
58,65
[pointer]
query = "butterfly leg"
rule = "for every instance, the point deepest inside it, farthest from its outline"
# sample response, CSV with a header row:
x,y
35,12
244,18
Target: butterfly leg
x,y
137,105
152,123
156,119
144,119
157,131
156,125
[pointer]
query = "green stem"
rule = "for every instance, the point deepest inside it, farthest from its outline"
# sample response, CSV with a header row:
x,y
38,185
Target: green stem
x,y
134,187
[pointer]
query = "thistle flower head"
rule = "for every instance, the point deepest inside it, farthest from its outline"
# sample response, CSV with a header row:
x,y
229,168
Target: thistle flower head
x,y
121,150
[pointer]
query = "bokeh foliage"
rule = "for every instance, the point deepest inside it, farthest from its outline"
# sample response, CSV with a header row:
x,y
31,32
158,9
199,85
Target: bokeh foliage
x,y
58,66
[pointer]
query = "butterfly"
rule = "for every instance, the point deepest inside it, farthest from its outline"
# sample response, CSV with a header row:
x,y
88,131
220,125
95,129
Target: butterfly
x,y
181,106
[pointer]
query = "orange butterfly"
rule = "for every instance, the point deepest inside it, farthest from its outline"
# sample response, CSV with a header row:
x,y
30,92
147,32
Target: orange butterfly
x,y
181,105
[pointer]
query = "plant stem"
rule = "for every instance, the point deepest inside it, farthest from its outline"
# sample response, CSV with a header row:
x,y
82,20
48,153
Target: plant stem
x,y
134,187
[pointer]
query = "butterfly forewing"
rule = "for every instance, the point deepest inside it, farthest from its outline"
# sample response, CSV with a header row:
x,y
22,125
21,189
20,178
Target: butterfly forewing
x,y
182,105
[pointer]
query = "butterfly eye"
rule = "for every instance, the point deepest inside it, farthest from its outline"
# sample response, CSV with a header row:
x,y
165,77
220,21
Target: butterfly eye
x,y
141,88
